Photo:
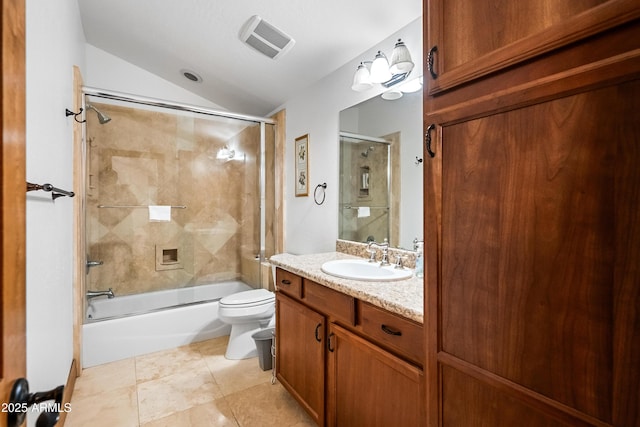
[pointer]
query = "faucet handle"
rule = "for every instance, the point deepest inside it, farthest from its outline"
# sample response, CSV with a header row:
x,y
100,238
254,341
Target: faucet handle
x,y
372,254
399,264
385,255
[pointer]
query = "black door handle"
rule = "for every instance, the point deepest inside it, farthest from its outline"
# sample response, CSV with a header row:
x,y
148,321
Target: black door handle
x,y
20,400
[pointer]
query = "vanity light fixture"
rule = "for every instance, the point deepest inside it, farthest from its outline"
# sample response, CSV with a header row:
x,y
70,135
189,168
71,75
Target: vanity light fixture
x,y
396,92
379,71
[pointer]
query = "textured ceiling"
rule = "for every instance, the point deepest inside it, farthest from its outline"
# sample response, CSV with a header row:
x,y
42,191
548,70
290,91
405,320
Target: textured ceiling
x,y
166,36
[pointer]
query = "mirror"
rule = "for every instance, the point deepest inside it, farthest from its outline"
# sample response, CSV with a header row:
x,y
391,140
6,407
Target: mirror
x,y
381,171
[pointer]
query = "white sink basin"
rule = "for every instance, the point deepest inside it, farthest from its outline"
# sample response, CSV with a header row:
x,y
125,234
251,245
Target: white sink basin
x,y
359,269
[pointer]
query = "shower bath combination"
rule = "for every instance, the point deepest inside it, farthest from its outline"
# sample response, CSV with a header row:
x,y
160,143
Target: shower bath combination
x,y
212,243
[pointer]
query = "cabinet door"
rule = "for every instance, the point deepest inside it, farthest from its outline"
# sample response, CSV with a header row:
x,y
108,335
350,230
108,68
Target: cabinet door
x,y
467,40
300,355
537,294
369,386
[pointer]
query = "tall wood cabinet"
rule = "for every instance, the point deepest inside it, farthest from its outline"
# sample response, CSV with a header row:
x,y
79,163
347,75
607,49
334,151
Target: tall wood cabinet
x,y
532,212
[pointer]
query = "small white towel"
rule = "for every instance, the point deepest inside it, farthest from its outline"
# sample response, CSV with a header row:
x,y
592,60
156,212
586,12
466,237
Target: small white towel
x,y
364,211
160,213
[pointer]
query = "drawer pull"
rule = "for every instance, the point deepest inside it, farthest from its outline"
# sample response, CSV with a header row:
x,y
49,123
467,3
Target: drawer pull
x,y
285,282
388,330
317,330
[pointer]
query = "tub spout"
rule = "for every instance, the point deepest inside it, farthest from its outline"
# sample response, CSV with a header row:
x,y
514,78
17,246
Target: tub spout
x,y
93,294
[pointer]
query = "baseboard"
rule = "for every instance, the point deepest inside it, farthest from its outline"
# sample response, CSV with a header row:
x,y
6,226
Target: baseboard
x,y
68,391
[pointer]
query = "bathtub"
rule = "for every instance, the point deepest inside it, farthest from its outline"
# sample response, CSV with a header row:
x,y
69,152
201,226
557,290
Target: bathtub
x,y
128,326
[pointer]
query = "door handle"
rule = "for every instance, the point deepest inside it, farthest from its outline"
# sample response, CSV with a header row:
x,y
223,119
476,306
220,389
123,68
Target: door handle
x,y
21,400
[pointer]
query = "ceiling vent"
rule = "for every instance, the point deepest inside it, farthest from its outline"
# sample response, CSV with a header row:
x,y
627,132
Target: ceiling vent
x,y
265,38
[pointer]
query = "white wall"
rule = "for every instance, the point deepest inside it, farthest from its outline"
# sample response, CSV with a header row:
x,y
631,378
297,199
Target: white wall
x,y
311,228
54,43
106,71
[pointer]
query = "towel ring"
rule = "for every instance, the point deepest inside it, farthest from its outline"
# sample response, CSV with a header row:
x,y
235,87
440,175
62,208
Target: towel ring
x,y
315,193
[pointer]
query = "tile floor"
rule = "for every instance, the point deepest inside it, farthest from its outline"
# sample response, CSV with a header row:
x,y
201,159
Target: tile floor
x,y
187,386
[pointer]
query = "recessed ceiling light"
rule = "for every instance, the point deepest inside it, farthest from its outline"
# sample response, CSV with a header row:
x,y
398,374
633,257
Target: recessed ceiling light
x,y
191,75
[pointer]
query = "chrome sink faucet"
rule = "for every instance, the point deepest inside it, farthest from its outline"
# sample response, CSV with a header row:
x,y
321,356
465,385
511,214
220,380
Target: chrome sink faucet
x,y
384,246
94,294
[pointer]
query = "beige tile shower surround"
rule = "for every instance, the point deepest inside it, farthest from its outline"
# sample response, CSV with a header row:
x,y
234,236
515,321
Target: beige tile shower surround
x,y
192,386
154,158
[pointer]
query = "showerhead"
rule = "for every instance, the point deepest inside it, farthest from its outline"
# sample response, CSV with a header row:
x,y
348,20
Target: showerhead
x,y
102,118
366,152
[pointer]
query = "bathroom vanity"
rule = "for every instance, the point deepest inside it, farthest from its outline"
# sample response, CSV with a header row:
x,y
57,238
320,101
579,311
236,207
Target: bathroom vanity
x,y
351,352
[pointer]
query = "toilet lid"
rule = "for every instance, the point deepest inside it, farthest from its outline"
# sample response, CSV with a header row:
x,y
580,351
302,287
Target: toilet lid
x,y
255,296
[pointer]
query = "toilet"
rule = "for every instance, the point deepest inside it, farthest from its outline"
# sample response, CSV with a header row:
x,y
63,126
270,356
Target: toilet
x,y
247,312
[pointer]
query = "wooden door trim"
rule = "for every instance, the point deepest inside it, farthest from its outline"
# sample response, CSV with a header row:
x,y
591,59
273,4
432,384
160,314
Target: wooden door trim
x,y
13,188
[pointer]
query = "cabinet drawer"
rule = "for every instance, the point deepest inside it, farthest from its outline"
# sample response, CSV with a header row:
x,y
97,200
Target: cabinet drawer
x,y
334,304
289,283
393,331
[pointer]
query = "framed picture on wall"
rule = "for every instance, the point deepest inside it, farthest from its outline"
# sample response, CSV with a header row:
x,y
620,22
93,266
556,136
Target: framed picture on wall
x,y
302,165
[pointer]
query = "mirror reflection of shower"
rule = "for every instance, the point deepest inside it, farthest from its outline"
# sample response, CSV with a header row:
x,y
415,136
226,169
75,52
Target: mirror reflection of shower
x,y
365,184
102,117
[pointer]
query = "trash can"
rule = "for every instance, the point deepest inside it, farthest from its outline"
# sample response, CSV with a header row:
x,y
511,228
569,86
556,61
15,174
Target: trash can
x,y
263,341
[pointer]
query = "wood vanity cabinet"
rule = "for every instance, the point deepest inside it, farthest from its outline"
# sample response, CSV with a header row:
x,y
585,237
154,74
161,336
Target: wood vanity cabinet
x,y
369,386
300,354
532,233
330,357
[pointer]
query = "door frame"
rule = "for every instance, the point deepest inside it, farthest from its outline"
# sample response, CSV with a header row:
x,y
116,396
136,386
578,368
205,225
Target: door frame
x,y
13,194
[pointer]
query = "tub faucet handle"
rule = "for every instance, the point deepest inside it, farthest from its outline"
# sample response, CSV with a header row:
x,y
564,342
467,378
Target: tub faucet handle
x,y
91,263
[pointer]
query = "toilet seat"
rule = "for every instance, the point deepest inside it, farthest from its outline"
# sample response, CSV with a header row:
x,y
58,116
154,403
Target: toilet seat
x,y
252,298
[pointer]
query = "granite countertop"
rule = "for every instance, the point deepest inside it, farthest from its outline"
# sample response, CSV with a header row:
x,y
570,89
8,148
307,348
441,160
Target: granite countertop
x,y
403,297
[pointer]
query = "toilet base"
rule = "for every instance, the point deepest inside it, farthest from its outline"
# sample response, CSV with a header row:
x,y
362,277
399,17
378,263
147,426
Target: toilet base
x,y
241,345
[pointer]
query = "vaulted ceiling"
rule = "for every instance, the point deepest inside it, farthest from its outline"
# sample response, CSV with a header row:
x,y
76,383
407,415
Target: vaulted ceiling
x,y
165,37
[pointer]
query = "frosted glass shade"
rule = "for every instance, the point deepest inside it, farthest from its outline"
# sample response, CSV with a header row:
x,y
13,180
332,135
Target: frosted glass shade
x,y
411,86
361,79
400,59
380,69
392,95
